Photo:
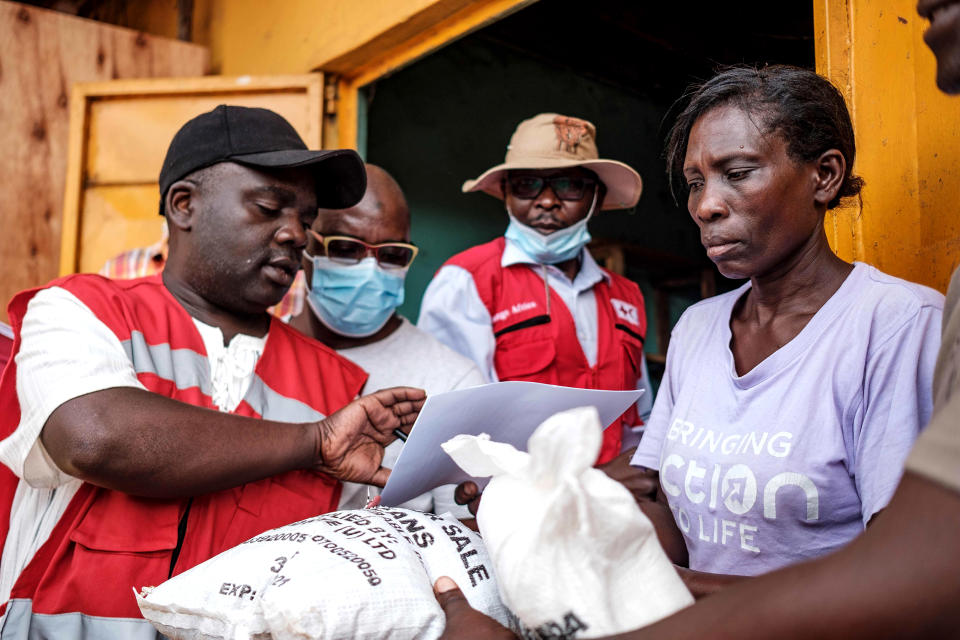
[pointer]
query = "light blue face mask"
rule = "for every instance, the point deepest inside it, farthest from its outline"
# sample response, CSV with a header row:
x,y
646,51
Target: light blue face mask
x,y
559,246
354,300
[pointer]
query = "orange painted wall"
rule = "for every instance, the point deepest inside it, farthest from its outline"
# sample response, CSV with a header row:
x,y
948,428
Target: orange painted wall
x,y
294,36
907,140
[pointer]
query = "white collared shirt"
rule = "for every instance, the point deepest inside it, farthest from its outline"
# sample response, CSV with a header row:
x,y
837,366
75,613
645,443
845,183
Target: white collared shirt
x,y
66,352
453,312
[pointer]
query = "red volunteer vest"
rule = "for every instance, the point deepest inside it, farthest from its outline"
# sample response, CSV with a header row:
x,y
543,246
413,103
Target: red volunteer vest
x,y
107,542
6,347
537,338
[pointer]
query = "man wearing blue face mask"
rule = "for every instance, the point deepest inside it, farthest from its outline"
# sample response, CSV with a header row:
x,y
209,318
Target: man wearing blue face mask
x,y
355,263
534,305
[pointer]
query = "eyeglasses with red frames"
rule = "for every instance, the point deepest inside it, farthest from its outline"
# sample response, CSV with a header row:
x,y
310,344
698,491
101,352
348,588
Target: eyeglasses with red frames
x,y
347,250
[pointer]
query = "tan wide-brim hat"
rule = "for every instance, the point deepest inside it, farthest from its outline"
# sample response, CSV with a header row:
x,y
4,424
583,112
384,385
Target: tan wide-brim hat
x,y
553,141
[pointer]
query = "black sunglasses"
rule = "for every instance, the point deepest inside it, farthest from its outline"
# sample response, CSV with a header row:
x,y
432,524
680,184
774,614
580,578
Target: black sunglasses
x,y
565,187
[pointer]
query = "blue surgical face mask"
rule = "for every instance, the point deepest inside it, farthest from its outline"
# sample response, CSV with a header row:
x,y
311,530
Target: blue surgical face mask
x,y
559,246
354,300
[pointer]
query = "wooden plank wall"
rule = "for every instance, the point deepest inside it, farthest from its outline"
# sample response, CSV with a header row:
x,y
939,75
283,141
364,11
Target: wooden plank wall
x,y
111,187
42,53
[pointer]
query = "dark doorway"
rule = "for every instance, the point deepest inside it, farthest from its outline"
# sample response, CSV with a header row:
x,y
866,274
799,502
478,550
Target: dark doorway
x,y
621,64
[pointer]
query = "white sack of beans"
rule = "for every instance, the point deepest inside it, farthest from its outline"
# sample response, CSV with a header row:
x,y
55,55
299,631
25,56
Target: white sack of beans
x,y
574,555
365,573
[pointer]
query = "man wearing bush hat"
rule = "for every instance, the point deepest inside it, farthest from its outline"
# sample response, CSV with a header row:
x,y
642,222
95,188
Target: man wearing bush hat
x,y
534,305
149,424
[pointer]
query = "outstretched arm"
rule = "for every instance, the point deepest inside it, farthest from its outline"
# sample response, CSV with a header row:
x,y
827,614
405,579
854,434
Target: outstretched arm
x,y
84,412
145,444
642,482
668,533
897,580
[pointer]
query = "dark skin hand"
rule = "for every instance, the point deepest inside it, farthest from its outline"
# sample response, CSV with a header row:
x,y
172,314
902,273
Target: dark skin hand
x,y
701,584
547,213
897,580
658,511
468,493
641,482
144,444
671,539
464,622
644,484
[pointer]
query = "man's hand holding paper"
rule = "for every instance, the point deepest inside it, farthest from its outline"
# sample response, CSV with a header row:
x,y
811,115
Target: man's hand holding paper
x,y
507,411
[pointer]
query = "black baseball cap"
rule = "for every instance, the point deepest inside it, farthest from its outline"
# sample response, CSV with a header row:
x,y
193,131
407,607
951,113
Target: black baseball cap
x,y
261,138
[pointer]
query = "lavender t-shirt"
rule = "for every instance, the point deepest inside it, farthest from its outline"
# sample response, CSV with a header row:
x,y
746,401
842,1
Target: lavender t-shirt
x,y
792,459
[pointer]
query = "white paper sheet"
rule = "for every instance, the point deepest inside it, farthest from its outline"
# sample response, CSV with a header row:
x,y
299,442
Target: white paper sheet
x,y
507,411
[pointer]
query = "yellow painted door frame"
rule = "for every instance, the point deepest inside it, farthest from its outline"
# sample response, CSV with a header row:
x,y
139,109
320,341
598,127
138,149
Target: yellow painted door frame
x,y
834,60
356,71
907,136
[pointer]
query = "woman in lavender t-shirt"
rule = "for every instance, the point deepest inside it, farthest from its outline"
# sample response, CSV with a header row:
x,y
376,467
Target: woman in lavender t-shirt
x,y
788,406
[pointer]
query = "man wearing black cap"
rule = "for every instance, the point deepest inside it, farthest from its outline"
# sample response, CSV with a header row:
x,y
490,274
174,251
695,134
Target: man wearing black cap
x,y
150,424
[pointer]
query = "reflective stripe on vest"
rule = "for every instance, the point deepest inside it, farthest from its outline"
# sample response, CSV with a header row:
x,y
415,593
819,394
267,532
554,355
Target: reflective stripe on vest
x,y
192,371
272,406
191,367
22,623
